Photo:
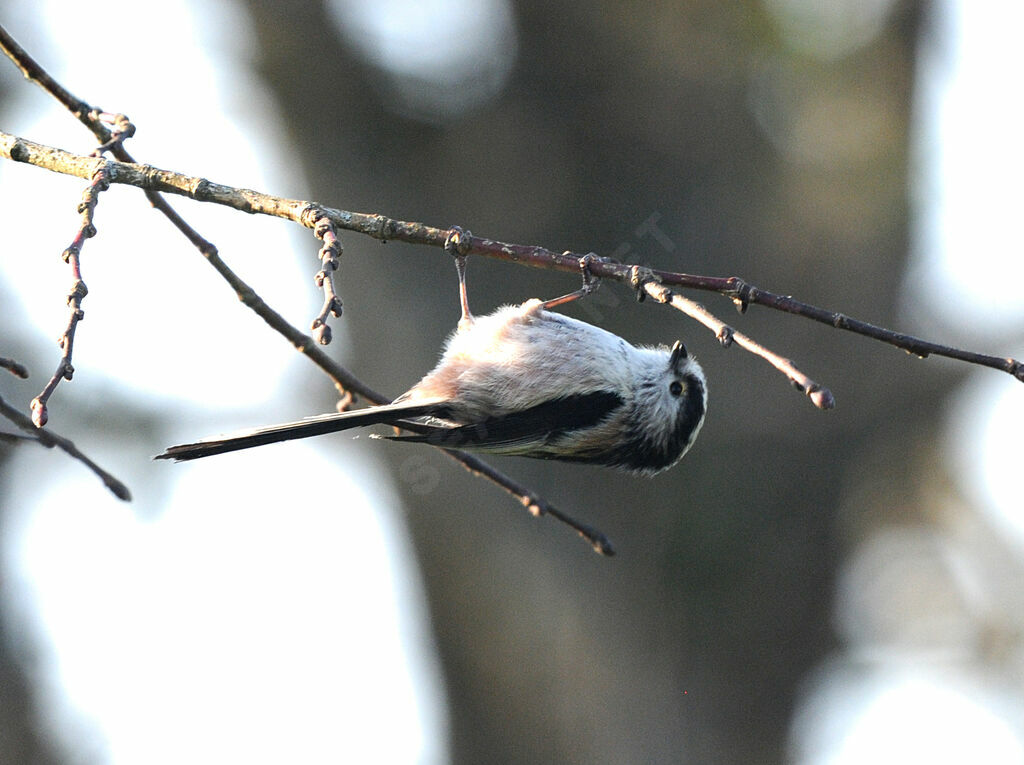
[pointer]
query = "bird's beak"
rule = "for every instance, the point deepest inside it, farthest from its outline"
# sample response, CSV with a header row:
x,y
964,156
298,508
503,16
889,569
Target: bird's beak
x,y
678,354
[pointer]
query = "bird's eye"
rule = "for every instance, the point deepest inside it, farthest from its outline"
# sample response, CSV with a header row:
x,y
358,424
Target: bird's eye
x,y
676,388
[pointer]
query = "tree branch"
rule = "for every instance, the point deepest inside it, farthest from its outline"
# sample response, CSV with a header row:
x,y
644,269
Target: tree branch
x,y
820,396
384,228
330,260
72,256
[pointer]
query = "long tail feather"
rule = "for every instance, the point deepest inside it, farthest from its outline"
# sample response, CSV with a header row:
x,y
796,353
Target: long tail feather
x,y
312,426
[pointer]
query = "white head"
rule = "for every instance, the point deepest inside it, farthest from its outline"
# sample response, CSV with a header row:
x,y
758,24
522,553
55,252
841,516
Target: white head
x,y
666,412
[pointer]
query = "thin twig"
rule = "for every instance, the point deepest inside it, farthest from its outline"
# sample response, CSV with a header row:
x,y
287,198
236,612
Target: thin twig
x,y
385,228
123,129
49,439
330,260
87,207
820,396
532,502
15,368
35,73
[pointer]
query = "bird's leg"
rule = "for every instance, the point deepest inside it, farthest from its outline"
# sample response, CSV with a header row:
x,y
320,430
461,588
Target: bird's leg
x,y
590,283
455,245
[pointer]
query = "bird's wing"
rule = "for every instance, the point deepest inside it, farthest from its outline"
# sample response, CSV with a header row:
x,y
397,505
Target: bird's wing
x,y
534,426
311,426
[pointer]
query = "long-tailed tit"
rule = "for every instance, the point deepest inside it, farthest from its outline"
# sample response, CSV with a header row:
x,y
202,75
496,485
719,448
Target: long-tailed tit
x,y
529,382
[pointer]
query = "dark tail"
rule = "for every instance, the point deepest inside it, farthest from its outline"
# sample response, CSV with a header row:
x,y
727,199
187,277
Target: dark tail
x,y
312,426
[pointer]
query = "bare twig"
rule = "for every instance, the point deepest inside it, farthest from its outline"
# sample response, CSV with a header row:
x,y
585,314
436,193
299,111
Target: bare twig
x,y
65,370
123,129
35,73
532,502
15,368
329,255
384,228
49,439
820,396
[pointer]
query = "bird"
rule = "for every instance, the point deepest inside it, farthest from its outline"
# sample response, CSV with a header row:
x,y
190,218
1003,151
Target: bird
x,y
525,380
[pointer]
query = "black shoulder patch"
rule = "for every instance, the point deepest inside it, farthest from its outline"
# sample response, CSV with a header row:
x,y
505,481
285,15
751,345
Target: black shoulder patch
x,y
540,424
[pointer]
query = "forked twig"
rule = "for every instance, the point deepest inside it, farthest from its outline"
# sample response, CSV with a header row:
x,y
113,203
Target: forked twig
x,y
820,396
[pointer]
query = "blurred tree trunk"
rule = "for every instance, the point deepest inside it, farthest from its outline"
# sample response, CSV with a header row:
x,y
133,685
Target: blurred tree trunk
x,y
751,160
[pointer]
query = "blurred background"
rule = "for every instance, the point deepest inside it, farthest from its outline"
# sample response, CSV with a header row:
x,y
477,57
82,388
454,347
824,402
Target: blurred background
x,y
804,587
